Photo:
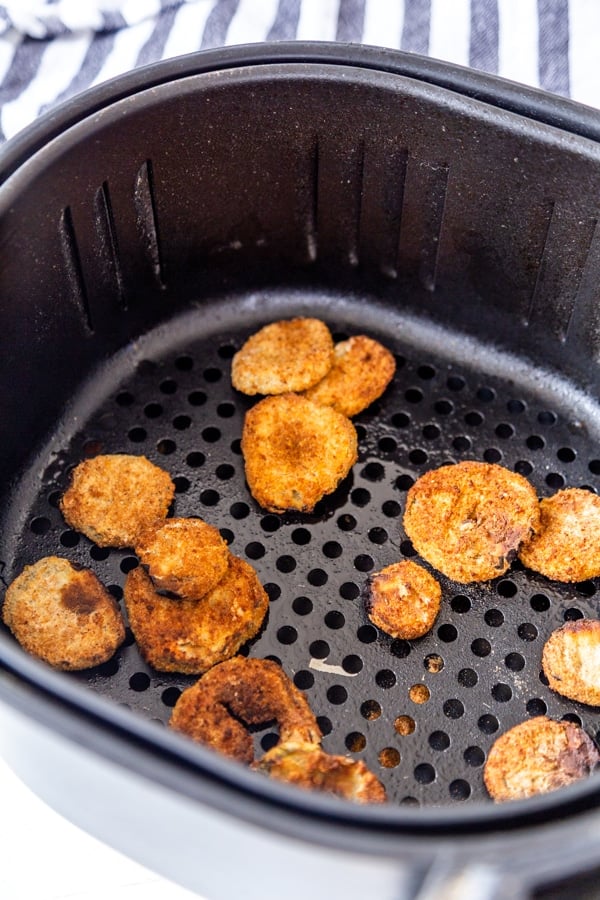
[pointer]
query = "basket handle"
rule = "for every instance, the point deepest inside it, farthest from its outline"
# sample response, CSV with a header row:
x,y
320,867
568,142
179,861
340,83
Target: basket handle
x,y
448,880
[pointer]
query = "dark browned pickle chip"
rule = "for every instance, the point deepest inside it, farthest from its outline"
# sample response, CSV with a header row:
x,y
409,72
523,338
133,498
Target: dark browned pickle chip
x,y
190,636
571,661
296,452
185,557
468,520
219,709
289,355
565,545
404,600
63,615
538,756
361,371
114,498
308,766
251,691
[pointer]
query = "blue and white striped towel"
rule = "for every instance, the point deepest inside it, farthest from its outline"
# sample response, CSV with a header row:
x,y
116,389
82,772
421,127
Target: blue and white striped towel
x,y
53,49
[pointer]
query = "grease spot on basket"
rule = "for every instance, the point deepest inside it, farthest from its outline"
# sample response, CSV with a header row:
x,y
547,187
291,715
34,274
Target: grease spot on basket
x,y
321,666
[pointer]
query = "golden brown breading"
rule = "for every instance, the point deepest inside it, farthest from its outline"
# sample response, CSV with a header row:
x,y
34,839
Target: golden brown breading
x,y
113,498
538,756
290,355
308,766
296,451
565,545
254,691
571,661
469,519
63,615
404,600
184,557
362,369
190,636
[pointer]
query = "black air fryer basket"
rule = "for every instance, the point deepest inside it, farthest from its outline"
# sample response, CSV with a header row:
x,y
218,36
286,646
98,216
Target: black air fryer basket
x,y
147,228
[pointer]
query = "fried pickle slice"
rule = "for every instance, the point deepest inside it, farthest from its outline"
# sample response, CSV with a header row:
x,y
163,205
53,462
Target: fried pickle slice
x,y
571,661
404,600
361,371
538,756
63,615
468,520
114,498
190,636
295,452
240,690
565,545
290,355
185,558
308,766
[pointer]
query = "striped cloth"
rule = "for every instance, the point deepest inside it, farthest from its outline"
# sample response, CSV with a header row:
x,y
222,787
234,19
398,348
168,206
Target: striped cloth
x,y
53,49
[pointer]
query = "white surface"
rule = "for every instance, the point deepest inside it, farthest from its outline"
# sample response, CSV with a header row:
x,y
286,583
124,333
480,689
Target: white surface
x,y
518,40
584,20
44,857
450,31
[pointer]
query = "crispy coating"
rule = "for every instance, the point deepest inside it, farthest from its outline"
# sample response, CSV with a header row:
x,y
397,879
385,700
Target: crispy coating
x,y
190,636
63,615
538,756
253,691
296,451
404,600
184,557
308,766
114,498
565,545
361,371
290,355
469,519
571,661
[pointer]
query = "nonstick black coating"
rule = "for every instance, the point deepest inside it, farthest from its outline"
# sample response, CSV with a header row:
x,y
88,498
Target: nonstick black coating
x,y
422,714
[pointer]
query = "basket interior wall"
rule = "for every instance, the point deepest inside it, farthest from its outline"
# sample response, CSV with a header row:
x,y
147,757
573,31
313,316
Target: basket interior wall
x,y
466,215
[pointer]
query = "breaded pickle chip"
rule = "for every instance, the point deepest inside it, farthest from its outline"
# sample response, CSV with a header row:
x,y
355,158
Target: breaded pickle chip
x,y
63,615
295,452
290,355
571,661
538,756
404,600
114,498
184,557
308,766
468,520
240,690
565,545
190,636
362,369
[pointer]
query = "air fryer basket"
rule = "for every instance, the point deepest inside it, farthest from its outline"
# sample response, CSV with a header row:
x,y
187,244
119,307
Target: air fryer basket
x,y
167,218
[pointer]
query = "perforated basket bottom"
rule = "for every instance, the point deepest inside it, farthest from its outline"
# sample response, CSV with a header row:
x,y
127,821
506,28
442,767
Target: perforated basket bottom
x,y
422,714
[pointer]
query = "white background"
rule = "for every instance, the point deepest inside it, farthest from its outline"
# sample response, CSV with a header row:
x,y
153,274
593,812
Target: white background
x,y
44,857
